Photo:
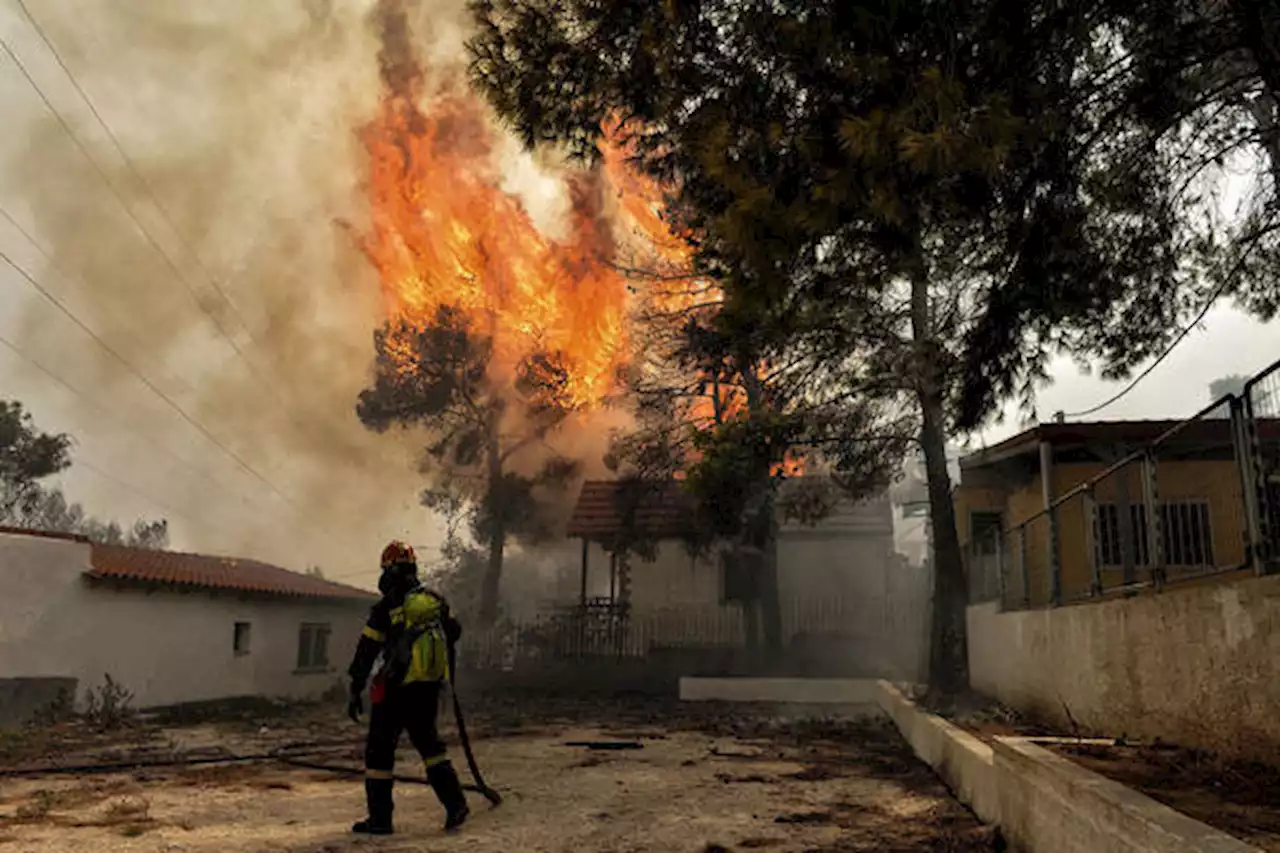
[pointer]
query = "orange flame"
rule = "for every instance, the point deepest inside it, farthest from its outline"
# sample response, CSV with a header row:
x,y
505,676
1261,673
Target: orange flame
x,y
445,233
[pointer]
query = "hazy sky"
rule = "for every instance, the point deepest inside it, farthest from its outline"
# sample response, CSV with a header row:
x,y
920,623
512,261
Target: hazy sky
x,y
237,122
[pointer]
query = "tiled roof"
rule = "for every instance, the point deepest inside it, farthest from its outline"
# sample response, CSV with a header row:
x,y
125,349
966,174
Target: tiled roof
x,y
662,511
198,571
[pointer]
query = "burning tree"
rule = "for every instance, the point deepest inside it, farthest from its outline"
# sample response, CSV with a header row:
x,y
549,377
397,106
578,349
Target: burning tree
x,y
489,451
737,424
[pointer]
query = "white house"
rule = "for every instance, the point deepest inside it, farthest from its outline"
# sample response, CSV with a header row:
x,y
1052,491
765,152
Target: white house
x,y
838,579
169,627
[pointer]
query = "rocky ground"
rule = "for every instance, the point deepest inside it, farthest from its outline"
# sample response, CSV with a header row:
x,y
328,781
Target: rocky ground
x,y
703,779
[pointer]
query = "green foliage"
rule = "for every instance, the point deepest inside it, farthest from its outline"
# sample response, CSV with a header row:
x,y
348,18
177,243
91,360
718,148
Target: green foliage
x,y
934,197
49,510
1061,165
27,456
485,436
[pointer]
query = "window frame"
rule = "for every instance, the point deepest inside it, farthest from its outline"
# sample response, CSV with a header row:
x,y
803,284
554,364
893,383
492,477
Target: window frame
x,y
1191,512
242,638
313,647
986,526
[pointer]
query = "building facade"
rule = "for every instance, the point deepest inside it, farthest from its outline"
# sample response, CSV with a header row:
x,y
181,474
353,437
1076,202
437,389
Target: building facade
x,y
1099,534
170,628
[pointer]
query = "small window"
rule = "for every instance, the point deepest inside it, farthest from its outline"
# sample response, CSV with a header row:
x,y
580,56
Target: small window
x,y
313,646
985,531
240,642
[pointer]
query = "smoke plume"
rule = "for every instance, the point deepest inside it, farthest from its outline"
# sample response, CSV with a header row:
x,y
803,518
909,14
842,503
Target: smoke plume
x,y
210,257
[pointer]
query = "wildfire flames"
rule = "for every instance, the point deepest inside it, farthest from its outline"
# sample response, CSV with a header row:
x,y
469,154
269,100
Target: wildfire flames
x,y
445,233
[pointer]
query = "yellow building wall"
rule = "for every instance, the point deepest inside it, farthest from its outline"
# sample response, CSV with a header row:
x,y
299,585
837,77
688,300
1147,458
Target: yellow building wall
x,y
1215,482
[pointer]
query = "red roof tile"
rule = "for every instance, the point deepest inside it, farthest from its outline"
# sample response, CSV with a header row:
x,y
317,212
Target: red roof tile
x,y
663,510
142,565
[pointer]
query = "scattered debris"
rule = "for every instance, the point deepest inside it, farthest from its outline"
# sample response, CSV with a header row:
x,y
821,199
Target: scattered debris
x,y
754,777
805,817
606,744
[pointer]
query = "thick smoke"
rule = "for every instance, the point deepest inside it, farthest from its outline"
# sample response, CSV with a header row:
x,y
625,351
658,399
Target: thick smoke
x,y
238,119
211,258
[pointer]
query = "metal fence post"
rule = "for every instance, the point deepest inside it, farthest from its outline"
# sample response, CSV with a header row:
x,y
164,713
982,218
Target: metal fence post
x,y
1022,565
1262,400
1155,530
1090,510
1248,463
1055,559
1000,584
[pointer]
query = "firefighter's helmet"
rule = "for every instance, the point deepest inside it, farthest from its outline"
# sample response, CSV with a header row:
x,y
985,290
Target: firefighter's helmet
x,y
398,554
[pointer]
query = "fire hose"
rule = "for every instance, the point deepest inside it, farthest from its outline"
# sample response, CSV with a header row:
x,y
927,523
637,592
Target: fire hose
x,y
298,755
480,787
294,755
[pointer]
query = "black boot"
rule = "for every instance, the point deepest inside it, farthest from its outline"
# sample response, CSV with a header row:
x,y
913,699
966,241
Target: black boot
x,y
377,793
444,781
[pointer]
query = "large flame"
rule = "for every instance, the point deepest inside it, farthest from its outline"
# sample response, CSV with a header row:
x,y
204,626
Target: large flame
x,y
445,233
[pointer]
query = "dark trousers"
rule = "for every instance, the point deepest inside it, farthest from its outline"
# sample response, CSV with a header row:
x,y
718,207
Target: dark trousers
x,y
408,708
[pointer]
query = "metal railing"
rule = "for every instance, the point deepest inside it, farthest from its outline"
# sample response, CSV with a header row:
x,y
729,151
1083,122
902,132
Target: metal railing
x,y
577,634
1202,499
1261,473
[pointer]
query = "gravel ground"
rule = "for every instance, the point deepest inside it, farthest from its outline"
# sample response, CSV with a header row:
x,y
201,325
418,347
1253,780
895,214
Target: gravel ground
x,y
707,779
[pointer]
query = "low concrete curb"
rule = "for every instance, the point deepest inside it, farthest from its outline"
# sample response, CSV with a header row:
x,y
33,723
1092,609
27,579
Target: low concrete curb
x,y
1042,802
963,761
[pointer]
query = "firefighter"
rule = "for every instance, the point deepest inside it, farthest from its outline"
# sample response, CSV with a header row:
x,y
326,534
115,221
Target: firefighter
x,y
410,630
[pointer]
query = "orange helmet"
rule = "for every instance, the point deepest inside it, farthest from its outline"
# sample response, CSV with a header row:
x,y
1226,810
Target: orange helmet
x,y
398,552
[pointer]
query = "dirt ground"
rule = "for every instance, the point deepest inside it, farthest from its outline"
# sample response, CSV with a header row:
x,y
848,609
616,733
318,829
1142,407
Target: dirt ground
x,y
1240,799
705,779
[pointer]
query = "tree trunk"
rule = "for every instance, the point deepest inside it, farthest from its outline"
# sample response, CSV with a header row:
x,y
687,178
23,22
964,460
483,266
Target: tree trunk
x,y
492,586
763,530
770,596
948,648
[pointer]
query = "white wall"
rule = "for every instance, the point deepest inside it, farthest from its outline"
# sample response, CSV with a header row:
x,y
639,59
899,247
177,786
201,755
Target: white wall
x,y
166,647
1194,665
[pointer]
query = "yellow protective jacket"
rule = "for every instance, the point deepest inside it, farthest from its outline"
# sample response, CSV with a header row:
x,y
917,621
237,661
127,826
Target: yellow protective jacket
x,y
411,634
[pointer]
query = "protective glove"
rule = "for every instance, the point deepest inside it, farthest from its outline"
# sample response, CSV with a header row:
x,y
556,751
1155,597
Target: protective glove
x,y
355,707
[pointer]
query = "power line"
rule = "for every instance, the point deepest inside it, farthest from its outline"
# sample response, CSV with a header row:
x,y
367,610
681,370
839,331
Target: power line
x,y
144,232
1186,330
57,303
128,161
124,205
12,347
150,385
129,164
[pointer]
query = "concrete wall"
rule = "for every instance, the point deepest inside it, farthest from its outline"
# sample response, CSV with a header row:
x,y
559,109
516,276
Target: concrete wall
x,y
1196,666
22,699
165,647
